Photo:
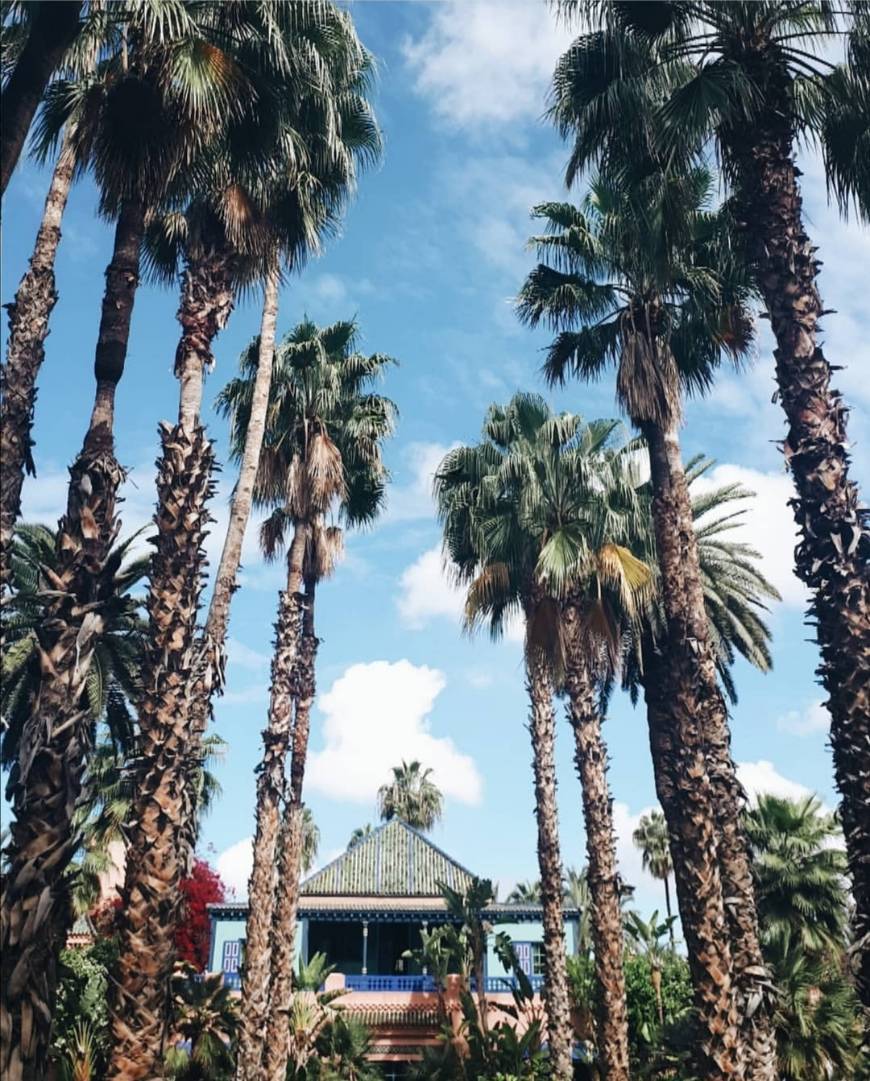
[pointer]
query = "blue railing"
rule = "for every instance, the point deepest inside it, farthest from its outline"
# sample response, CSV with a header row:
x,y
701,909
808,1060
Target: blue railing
x,y
389,983
493,984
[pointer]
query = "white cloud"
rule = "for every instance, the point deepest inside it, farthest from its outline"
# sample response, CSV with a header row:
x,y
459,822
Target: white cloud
x,y
761,778
484,62
376,715
767,524
427,592
813,718
242,656
410,499
234,866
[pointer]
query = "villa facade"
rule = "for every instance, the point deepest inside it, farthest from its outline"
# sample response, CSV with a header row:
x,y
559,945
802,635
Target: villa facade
x,y
365,910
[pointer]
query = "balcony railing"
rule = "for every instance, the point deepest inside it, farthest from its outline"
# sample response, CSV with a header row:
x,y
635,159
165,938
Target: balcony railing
x,y
407,984
389,983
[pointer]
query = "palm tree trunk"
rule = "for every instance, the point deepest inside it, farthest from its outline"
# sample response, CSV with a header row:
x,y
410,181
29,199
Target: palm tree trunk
x,y
834,548
36,913
668,910
290,866
711,806
270,793
676,710
163,809
53,29
29,314
543,732
214,636
590,757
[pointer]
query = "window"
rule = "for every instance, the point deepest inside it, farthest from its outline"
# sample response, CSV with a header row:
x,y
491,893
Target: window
x,y
531,957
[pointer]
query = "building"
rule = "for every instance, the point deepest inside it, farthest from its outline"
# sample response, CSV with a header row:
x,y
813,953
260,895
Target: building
x,y
365,910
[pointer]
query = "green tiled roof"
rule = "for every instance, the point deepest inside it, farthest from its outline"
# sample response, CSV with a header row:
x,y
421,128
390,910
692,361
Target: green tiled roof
x,y
394,861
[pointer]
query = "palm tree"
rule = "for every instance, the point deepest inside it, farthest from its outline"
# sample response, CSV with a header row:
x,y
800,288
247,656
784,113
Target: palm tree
x,y
571,490
348,138
621,292
47,31
745,81
651,837
321,454
205,1015
359,834
103,707
646,936
269,191
30,311
412,796
799,874
525,893
28,326
578,895
133,164
803,904
310,841
521,525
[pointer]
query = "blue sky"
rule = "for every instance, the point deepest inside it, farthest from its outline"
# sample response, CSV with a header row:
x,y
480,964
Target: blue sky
x,y
431,253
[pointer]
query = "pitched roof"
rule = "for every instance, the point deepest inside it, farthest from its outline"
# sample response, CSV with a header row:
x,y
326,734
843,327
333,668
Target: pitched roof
x,y
394,860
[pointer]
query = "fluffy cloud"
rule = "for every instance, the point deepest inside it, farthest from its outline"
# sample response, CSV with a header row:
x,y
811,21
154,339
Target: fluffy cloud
x,y
813,718
410,498
427,593
234,866
376,715
486,62
767,523
761,778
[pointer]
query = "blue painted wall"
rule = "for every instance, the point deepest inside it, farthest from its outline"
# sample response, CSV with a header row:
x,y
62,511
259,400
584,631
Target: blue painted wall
x,y
227,933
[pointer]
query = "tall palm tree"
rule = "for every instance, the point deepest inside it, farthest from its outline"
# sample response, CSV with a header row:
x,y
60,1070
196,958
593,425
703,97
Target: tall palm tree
x,y
28,326
651,837
310,841
347,139
134,164
271,187
45,32
622,292
746,81
412,796
321,455
103,708
30,311
521,526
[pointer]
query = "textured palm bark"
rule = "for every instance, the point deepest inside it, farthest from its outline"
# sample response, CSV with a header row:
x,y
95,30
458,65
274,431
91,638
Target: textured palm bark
x,y
212,646
276,1050
679,759
53,29
542,726
590,757
833,553
164,816
29,314
47,780
164,799
270,794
